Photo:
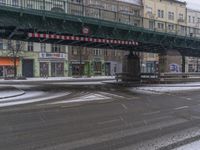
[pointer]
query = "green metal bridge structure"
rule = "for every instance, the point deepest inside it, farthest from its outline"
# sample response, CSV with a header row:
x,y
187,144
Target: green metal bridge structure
x,y
67,23
20,18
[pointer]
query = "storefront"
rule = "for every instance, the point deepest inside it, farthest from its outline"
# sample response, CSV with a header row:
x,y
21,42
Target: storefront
x,y
7,66
77,68
57,69
97,67
44,69
52,64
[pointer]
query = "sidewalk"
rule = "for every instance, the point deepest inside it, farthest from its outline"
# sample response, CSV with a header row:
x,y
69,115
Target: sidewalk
x,y
166,88
8,92
67,79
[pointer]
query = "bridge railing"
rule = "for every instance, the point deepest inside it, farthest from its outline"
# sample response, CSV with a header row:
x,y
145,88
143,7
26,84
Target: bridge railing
x,y
62,6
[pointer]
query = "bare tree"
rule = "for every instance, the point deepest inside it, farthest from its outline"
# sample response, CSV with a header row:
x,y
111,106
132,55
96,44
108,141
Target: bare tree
x,y
15,52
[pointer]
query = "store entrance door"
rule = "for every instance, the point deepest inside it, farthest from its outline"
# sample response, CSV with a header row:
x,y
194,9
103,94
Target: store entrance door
x,y
27,67
107,69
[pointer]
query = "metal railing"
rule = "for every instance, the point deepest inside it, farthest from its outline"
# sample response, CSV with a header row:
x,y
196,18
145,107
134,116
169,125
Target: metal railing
x,y
62,7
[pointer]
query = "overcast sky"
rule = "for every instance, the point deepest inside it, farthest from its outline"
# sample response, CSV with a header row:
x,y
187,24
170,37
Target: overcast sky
x,y
194,4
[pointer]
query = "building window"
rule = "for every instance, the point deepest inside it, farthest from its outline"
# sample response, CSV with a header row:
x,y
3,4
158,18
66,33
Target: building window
x,y
193,19
160,26
55,48
43,47
149,12
189,19
77,1
170,27
136,12
18,45
2,1
97,52
161,13
171,15
105,52
181,16
15,2
198,20
1,44
29,6
9,44
30,46
74,51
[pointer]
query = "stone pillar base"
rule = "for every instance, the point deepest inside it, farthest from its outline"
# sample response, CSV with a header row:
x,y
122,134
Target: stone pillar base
x,y
171,61
131,67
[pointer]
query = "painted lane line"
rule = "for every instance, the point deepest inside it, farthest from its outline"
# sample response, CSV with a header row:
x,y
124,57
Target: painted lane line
x,y
124,106
183,107
151,113
186,98
109,121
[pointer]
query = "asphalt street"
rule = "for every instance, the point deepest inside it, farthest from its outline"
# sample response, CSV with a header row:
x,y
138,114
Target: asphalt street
x,y
117,119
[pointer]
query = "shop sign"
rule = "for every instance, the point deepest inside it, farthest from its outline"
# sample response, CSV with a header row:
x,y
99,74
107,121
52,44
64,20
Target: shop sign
x,y
53,55
85,30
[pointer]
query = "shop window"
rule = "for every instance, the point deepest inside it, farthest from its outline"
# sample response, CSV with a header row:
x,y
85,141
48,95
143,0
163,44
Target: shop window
x,y
44,69
97,67
57,69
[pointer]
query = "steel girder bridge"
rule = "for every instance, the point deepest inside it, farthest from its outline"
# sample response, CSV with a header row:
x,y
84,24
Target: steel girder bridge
x,y
62,22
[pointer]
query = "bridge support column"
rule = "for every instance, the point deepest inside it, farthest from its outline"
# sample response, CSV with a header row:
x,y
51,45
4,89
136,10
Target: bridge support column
x,y
131,67
171,61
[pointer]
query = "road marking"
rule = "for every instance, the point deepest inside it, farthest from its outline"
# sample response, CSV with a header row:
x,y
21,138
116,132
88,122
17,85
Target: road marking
x,y
124,106
151,113
178,108
109,121
186,98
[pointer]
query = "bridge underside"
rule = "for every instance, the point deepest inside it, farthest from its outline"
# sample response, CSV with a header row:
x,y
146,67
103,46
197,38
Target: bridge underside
x,y
16,23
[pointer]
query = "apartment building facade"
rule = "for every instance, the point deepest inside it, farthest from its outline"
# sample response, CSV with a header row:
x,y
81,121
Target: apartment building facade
x,y
193,22
165,15
93,61
34,60
168,16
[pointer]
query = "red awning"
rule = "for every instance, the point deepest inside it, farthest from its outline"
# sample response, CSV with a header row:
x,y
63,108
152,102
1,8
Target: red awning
x,y
7,61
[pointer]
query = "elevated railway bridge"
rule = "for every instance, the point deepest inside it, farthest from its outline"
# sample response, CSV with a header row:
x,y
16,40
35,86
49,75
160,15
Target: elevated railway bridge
x,y
62,22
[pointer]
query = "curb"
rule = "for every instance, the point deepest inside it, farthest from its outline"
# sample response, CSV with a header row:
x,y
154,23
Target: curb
x,y
20,93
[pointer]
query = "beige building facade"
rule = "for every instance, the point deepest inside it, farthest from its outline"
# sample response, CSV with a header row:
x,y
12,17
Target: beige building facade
x,y
193,22
165,15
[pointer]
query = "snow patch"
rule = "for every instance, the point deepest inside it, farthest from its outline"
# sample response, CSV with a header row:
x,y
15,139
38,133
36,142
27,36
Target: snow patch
x,y
86,98
24,99
160,90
